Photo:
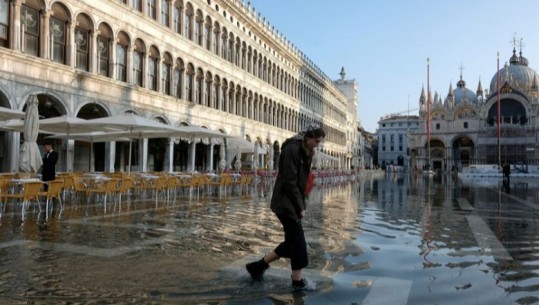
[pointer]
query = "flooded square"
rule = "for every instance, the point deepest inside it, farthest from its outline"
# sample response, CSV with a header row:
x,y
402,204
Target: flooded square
x,y
395,239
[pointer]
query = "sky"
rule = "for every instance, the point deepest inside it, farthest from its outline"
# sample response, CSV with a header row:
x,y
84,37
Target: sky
x,y
384,44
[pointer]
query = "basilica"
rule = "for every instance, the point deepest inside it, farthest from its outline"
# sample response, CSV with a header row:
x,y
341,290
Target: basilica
x,y
461,129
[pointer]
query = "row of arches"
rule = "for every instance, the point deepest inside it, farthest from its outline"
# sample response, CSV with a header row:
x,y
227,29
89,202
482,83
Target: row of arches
x,y
134,61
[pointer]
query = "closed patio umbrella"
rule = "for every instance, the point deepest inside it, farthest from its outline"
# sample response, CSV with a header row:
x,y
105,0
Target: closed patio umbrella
x,y
30,157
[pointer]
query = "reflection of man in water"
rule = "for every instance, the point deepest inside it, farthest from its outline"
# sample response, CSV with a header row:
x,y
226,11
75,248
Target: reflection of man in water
x,y
506,173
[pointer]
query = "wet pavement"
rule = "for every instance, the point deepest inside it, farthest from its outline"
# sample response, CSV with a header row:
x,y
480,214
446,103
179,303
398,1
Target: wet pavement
x,y
396,239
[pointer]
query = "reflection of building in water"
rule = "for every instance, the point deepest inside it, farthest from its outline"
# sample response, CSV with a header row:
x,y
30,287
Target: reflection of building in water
x,y
334,210
463,125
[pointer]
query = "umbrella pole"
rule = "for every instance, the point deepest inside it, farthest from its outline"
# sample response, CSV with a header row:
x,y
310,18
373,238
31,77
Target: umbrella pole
x,y
129,165
91,155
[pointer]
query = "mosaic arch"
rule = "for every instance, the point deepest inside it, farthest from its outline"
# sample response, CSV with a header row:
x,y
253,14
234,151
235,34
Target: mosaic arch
x,y
462,151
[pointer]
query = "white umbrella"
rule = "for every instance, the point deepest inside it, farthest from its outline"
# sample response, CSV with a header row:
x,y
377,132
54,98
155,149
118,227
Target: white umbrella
x,y
137,127
10,114
92,137
60,125
30,157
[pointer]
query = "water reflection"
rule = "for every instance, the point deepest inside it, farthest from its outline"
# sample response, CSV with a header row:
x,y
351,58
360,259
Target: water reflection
x,y
426,240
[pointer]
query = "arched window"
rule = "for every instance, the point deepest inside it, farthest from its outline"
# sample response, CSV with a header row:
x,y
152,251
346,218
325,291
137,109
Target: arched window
x,y
137,5
179,71
215,39
30,27
224,38
224,96
231,48
151,9
153,63
104,41
166,73
189,82
208,90
58,29
188,27
82,40
138,62
178,14
208,32
165,13
121,56
4,23
216,93
199,28
198,87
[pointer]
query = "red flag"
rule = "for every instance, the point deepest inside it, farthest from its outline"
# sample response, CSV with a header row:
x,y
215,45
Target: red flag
x,y
428,102
499,113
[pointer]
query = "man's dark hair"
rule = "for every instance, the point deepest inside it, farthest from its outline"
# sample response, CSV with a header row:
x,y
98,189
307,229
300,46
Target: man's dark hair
x,y
315,133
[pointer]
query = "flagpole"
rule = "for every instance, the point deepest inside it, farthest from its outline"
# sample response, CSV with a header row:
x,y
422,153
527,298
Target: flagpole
x,y
499,115
428,112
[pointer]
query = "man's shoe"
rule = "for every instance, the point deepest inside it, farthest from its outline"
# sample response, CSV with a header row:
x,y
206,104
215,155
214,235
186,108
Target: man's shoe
x,y
298,286
257,269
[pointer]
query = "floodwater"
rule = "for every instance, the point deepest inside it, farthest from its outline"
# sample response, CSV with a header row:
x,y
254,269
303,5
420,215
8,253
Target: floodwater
x,y
388,240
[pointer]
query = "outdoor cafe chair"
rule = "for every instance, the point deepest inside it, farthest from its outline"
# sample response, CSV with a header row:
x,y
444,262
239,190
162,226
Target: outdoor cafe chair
x,y
105,188
172,185
74,185
157,185
222,183
4,187
54,191
126,185
30,192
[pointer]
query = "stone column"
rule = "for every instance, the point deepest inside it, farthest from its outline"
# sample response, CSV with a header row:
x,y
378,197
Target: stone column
x,y
71,47
112,60
110,152
209,159
143,155
129,64
169,162
94,64
191,156
15,27
45,44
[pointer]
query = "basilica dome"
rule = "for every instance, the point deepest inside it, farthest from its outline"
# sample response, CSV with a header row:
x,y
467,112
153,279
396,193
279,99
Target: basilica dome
x,y
517,74
463,95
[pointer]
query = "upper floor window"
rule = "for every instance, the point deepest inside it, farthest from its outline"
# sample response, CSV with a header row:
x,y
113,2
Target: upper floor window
x,y
4,23
121,57
177,18
152,9
82,41
153,63
188,28
104,42
465,124
137,5
58,28
165,12
138,63
30,29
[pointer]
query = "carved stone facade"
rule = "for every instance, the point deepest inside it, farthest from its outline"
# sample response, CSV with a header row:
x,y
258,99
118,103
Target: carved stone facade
x,y
464,126
211,63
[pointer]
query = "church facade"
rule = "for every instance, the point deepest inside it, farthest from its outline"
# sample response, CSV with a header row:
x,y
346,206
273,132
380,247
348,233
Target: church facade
x,y
464,129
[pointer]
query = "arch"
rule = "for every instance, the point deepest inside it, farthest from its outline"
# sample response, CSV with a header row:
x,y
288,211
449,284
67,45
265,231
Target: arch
x,y
462,149
511,111
92,110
